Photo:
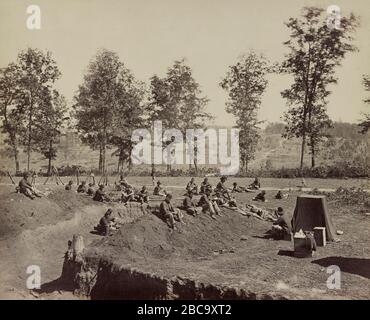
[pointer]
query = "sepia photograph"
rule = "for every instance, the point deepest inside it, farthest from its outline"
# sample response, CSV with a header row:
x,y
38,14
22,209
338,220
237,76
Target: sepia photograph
x,y
198,150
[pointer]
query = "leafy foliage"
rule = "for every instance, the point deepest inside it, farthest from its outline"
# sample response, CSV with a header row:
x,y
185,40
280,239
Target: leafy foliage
x,y
245,83
315,51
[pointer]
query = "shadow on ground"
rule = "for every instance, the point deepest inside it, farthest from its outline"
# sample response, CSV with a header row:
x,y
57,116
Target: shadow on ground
x,y
54,286
356,266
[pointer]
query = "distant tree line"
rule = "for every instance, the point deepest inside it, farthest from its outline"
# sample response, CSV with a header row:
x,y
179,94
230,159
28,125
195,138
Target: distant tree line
x,y
110,102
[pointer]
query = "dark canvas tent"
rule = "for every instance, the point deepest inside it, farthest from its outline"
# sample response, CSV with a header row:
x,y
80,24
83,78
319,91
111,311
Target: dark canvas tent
x,y
310,212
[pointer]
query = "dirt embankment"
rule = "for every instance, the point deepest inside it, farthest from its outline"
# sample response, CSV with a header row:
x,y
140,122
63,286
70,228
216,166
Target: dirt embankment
x,y
146,260
19,213
227,258
36,232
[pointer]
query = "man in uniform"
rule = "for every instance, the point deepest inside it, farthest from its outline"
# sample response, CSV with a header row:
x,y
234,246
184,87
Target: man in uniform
x,y
205,186
90,190
128,194
237,188
68,187
208,205
280,228
192,187
82,187
222,189
100,194
26,187
261,196
142,196
106,223
158,190
255,185
189,204
169,213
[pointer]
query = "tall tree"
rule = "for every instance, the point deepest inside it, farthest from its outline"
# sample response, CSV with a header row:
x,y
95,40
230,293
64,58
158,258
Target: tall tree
x,y
39,72
53,115
245,83
365,123
177,100
130,112
315,51
102,101
25,89
318,121
12,118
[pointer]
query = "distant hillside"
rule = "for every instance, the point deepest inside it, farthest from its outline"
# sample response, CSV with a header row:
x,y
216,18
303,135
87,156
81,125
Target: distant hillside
x,y
344,143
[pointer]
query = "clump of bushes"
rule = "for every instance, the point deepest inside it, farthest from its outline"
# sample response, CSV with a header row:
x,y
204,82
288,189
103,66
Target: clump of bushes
x,y
337,170
347,196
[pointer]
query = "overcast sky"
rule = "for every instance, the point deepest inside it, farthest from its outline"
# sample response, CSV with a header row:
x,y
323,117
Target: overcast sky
x,y
211,34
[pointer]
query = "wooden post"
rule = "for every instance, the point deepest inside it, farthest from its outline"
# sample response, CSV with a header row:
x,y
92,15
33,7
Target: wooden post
x,y
77,244
11,178
78,176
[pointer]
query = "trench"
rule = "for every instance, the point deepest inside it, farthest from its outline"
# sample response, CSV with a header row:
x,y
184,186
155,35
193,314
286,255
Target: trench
x,y
45,247
102,280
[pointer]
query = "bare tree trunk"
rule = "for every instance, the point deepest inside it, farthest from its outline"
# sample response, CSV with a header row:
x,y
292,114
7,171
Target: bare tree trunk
x,y
100,159
305,107
29,135
302,150
16,162
15,152
103,159
50,156
196,159
313,153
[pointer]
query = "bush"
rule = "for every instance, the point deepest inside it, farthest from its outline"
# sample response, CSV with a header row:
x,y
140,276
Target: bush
x,y
337,170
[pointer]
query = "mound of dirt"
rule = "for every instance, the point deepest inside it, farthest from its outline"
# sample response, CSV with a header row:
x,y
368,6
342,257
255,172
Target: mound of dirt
x,y
149,237
18,212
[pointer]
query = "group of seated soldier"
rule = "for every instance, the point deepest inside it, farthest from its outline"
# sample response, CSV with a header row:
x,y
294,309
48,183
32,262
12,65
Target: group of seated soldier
x,y
87,188
262,196
130,194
